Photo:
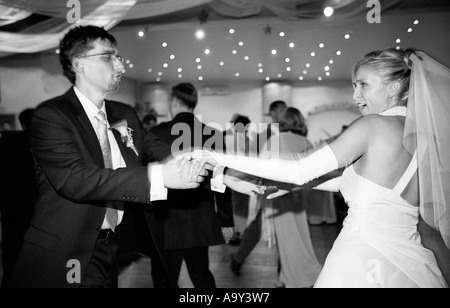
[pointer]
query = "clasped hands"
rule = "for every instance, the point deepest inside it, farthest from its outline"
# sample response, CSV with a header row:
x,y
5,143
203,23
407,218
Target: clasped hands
x,y
188,170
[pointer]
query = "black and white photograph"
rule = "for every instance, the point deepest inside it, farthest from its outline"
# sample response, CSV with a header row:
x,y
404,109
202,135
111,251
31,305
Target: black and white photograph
x,y
224,150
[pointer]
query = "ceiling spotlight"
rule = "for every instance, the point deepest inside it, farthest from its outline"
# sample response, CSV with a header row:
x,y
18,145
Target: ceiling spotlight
x,y
308,65
313,54
292,45
172,57
338,52
398,41
150,70
198,60
327,68
241,44
282,34
320,78
158,79
207,51
416,22
165,65
58,51
199,67
160,74
164,44
131,65
321,45
279,75
222,63
260,65
328,11
231,31
331,61
200,34
267,78
328,74
305,72
301,78
237,74
288,60
274,52
347,36
180,70
288,69
234,52
261,71
410,30
200,78
180,76
141,33
246,58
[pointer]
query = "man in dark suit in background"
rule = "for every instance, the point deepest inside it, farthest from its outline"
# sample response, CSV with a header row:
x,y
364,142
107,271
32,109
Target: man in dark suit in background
x,y
252,234
276,112
188,221
89,171
17,190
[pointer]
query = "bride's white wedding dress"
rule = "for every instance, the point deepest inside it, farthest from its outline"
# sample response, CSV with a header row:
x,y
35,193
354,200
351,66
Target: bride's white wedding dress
x,y
379,245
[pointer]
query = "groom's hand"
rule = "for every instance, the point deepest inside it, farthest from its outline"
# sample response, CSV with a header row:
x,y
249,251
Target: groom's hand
x,y
176,174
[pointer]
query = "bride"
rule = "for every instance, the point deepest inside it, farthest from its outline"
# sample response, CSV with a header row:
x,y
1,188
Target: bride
x,y
397,172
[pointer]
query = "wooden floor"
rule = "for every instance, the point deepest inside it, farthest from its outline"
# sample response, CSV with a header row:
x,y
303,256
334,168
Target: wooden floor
x,y
258,271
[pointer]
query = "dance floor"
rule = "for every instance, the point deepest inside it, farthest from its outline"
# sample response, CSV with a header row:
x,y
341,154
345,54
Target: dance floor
x,y
258,271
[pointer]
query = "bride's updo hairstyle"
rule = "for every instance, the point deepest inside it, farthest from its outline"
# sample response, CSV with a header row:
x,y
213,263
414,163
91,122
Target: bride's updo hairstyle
x,y
394,65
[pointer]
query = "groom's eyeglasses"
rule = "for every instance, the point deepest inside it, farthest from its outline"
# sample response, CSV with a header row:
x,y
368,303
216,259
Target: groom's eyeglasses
x,y
107,56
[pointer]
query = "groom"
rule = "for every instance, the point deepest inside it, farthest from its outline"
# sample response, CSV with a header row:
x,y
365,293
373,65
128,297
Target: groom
x,y
90,175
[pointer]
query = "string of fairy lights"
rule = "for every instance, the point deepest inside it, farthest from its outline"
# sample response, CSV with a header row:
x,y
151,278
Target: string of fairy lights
x,y
262,72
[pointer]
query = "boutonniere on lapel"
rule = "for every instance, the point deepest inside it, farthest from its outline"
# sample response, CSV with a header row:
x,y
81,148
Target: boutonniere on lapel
x,y
126,134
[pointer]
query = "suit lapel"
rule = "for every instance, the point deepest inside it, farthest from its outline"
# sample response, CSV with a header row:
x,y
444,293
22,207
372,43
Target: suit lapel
x,y
85,126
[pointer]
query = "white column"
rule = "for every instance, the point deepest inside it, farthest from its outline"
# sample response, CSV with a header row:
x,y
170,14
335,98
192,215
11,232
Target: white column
x,y
156,97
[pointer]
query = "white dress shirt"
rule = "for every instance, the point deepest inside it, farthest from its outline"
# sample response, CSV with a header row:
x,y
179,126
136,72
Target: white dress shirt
x,y
158,191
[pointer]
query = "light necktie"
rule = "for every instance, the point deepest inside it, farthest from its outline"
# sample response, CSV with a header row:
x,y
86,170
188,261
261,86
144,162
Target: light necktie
x,y
112,215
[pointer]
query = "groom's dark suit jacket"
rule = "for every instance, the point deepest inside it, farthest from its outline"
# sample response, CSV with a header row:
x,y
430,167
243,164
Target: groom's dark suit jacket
x,y
74,187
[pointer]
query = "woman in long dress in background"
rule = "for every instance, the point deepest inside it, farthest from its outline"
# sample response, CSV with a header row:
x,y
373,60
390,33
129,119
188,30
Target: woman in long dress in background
x,y
398,170
299,265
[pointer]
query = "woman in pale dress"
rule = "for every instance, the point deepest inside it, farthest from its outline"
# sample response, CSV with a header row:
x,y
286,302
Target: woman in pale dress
x,y
299,265
398,171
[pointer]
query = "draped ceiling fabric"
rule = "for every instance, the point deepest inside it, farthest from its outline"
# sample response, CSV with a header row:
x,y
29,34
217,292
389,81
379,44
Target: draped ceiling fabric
x,y
46,33
9,15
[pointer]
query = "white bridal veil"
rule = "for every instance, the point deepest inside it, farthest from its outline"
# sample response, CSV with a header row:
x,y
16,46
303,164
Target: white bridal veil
x,y
427,129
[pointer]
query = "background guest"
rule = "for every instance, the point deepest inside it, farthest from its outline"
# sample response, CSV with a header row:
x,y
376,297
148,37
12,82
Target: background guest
x,y
17,189
188,223
149,121
252,234
238,142
299,265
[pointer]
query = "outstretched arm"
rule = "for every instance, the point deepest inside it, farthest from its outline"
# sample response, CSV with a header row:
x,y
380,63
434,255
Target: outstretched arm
x,y
349,147
289,171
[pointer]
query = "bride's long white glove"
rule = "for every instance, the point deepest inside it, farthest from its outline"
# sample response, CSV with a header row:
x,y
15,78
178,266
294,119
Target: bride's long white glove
x,y
296,172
